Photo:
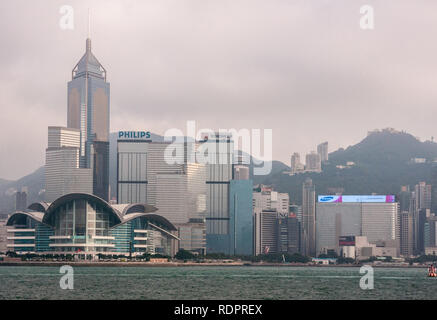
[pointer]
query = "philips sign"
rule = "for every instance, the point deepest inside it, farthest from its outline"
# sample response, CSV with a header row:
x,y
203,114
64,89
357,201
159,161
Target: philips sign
x,y
134,135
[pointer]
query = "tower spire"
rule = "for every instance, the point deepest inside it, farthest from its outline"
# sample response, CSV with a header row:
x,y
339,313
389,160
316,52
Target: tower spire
x,y
89,23
88,40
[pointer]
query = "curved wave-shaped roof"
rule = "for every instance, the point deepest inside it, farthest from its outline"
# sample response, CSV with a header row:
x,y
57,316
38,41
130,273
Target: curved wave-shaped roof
x,y
42,211
150,217
39,206
81,196
37,216
138,207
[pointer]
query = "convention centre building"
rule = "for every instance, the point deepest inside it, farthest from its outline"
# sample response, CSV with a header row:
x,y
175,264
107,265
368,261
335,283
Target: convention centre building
x,y
86,226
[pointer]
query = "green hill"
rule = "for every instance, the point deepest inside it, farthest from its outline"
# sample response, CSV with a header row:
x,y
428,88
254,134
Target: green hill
x,y
381,165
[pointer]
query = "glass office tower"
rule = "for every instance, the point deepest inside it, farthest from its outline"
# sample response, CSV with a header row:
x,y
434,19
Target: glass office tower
x,y
88,111
178,189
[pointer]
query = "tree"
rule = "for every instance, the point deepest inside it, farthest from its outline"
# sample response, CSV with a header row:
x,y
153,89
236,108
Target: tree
x,y
344,260
11,254
184,255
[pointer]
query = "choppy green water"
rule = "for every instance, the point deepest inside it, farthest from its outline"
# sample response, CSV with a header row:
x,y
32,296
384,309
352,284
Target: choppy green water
x,y
215,283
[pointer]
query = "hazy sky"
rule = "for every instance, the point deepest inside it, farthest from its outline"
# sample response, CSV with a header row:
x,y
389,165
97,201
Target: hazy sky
x,y
302,68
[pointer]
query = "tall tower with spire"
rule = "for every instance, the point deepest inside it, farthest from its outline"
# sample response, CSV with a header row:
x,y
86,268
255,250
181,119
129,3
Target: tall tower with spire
x,y
88,111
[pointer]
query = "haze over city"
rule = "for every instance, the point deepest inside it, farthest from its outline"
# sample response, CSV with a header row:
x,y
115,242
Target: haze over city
x,y
304,69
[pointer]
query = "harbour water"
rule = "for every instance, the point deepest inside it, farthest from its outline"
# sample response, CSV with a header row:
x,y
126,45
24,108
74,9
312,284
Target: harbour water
x,y
223,283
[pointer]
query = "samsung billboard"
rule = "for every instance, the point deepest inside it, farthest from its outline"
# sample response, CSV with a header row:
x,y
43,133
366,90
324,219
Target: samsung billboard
x,y
355,198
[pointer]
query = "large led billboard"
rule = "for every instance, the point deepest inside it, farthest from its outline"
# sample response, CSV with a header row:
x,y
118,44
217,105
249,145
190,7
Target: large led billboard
x,y
346,241
357,198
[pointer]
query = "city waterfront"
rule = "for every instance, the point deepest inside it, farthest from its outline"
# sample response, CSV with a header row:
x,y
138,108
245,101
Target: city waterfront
x,y
215,282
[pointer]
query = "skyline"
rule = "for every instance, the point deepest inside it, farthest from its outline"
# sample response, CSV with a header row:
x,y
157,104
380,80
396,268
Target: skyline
x,y
239,73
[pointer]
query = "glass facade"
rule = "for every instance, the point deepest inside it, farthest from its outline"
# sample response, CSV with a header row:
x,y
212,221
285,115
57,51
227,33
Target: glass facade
x,y
176,188
88,111
238,238
219,172
84,224
132,173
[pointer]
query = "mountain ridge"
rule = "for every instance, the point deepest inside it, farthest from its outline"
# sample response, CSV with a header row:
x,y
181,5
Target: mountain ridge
x,y
381,164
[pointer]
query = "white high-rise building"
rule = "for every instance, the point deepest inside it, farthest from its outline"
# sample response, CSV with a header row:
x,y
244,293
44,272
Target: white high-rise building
x,y
62,172
265,231
375,217
423,196
313,162
241,172
379,222
295,165
268,206
267,199
322,150
3,236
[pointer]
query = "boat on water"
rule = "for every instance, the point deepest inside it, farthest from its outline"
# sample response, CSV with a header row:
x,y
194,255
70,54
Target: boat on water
x,y
432,271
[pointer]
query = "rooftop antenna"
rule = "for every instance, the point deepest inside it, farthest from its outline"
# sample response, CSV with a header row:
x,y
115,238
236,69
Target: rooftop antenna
x,y
88,40
89,23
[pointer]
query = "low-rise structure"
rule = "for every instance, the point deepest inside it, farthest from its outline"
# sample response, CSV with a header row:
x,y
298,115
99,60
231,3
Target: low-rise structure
x,y
85,225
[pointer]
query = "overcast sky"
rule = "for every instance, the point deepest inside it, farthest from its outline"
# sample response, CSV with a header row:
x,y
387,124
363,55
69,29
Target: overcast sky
x,y
302,68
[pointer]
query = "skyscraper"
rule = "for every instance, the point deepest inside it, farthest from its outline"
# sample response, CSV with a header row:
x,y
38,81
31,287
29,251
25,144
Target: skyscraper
x,y
379,222
404,198
241,217
423,195
434,189
219,173
295,165
406,233
308,218
313,162
430,237
421,201
268,208
322,150
177,189
241,172
3,235
372,216
21,199
88,111
265,231
267,199
288,238
62,172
